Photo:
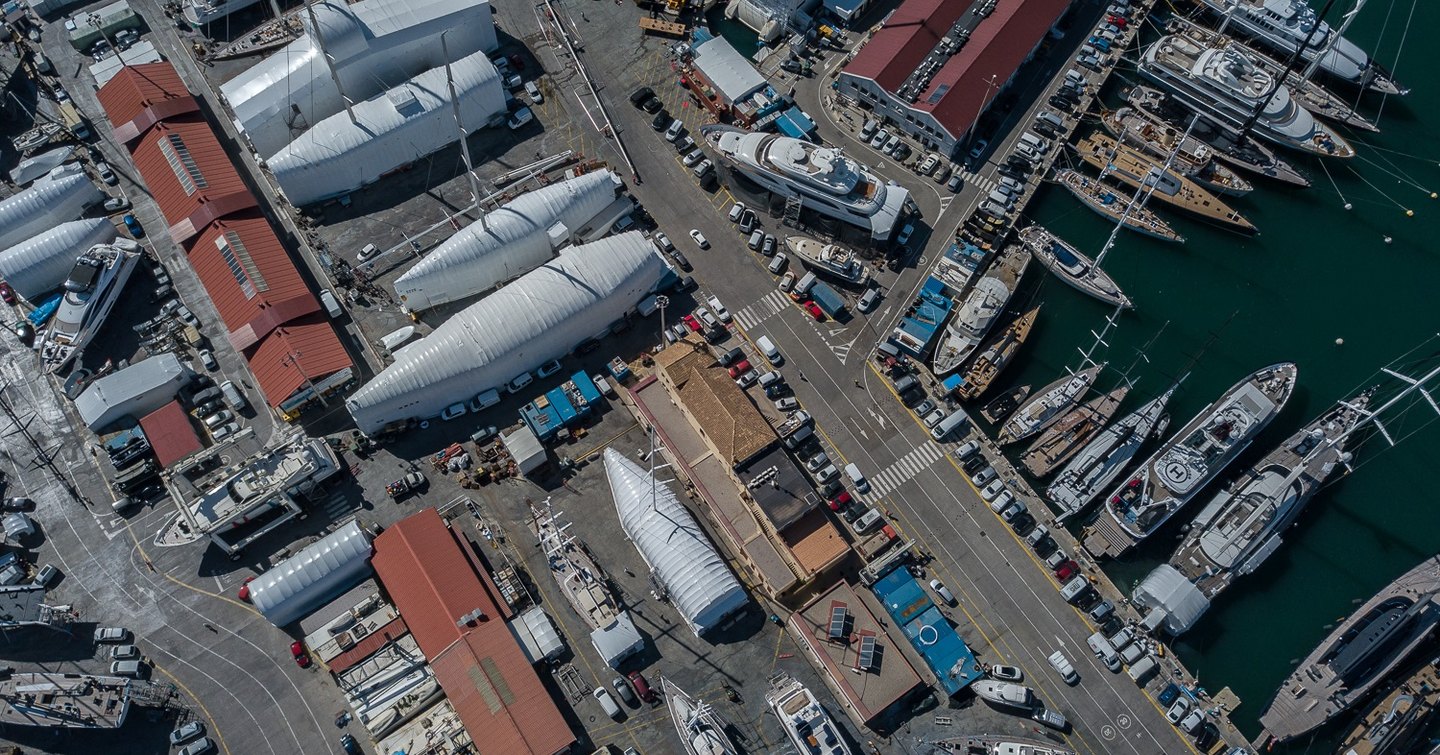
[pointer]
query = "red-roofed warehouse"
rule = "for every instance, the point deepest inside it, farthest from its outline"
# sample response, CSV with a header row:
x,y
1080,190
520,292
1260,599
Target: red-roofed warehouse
x,y
917,82
453,611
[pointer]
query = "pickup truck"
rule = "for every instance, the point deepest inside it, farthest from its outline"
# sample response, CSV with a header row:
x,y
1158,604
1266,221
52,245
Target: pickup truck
x,y
828,299
410,483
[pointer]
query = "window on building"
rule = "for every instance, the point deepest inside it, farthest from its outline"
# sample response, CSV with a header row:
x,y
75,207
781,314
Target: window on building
x,y
939,94
241,264
181,161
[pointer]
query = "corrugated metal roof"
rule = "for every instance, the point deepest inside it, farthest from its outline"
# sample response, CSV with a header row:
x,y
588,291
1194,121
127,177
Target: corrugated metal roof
x,y
909,34
302,350
700,585
171,434
317,574
190,176
436,584
250,277
60,196
139,96
727,69
39,265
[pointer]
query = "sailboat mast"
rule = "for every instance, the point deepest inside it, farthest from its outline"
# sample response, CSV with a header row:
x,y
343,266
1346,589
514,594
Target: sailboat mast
x,y
1142,188
460,126
1335,36
329,61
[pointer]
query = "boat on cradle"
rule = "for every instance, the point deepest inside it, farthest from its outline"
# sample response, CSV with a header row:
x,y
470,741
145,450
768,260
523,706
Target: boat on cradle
x,y
828,260
1379,636
1246,154
1105,202
1067,436
1177,472
701,730
64,701
1104,458
1132,168
997,744
1004,694
580,578
201,12
809,727
995,356
1311,96
1073,267
823,179
981,308
90,292
1226,86
1242,525
271,36
1399,719
1005,404
1286,25
1193,159
1048,405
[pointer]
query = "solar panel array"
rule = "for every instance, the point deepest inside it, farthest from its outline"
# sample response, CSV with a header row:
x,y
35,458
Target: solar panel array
x,y
838,617
867,652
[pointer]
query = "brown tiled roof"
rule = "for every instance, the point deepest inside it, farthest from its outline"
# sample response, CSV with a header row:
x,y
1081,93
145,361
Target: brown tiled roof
x,y
437,582
726,415
170,433
814,542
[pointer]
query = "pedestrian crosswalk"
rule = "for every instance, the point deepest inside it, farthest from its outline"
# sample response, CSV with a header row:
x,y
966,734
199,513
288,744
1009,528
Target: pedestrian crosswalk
x,y
986,184
760,311
909,465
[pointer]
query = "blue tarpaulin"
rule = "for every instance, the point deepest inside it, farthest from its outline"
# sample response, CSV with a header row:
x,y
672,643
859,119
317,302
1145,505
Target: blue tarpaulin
x,y
795,123
928,630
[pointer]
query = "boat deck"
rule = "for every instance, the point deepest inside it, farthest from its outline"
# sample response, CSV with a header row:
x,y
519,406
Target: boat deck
x,y
1066,437
1130,167
73,701
1397,721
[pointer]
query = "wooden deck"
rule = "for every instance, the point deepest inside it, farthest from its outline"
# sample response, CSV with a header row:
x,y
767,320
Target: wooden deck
x,y
656,26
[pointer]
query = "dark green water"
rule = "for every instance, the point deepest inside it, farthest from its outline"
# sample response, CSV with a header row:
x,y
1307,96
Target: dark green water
x,y
1315,274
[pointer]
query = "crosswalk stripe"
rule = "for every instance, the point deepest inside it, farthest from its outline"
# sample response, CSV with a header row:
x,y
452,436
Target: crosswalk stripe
x,y
907,467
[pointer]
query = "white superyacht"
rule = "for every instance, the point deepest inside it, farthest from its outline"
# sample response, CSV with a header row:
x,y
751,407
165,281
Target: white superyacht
x,y
91,290
1104,458
809,727
981,308
829,259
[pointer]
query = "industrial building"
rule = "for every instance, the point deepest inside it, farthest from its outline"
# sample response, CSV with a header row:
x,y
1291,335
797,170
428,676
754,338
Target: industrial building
x,y
456,616
270,314
682,559
727,84
313,577
392,129
543,315
132,392
934,66
53,199
519,236
373,45
39,265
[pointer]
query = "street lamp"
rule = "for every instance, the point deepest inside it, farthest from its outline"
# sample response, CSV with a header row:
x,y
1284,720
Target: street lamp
x,y
661,302
94,19
990,86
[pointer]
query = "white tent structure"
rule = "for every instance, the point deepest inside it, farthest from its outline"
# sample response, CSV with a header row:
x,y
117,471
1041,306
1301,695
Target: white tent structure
x,y
313,577
63,195
374,45
1174,601
681,557
394,128
507,243
541,316
617,640
39,265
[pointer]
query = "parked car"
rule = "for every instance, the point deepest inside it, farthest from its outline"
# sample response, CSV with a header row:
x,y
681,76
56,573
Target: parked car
x,y
133,226
682,260
736,211
111,634
661,120
202,746
106,174
622,688
642,687
1006,673
297,651
116,204
641,96
549,368
943,591
534,92
7,294
133,669
186,732
699,238
719,309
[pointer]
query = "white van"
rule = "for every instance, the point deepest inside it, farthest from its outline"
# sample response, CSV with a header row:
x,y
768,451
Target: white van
x,y
611,708
806,282
853,472
868,130
233,396
519,382
648,306
770,378
1142,671
866,523
1076,587
485,400
1064,668
1104,651
1035,142
1000,198
948,425
327,298
767,347
603,385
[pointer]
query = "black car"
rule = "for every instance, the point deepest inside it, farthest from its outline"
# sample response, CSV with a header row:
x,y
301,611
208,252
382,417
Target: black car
x,y
1061,103
731,357
653,105
687,283
350,746
661,121
912,397
973,464
793,66
641,96
1022,523
1207,736
748,221
902,151
854,511
681,261
777,390
1010,171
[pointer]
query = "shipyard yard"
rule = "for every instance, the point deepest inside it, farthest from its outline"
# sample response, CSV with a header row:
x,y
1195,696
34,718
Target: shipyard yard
x,y
713,397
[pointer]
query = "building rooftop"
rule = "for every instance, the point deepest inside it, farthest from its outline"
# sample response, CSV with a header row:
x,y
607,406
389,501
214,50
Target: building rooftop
x,y
929,631
171,434
189,175
249,275
814,542
864,692
724,413
437,731
139,96
778,487
907,36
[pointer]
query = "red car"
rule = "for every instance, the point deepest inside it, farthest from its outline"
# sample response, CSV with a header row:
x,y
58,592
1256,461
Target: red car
x,y
840,501
297,651
244,593
642,687
6,294
1066,570
691,323
1119,21
517,61
739,368
815,311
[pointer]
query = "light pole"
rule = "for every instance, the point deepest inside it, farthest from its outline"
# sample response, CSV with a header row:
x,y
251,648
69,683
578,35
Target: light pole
x,y
990,86
94,19
661,302
293,359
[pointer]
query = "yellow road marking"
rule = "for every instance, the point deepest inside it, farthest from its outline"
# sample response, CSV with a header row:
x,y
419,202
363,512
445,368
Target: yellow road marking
x,y
214,727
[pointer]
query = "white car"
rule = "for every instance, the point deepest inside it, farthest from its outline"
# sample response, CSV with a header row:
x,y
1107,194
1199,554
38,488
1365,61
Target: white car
x,y
454,410
1178,709
993,489
878,140
787,404
699,238
965,451
719,309
207,358
983,476
787,281
664,242
693,157
943,591
534,92
106,174
1002,501
736,210
111,634
1006,673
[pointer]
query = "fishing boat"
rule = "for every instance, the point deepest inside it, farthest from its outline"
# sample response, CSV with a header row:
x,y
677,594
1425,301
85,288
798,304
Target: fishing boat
x,y
89,293
1360,652
1073,267
701,730
998,744
1399,719
981,308
1004,694
1048,405
581,580
1193,159
1132,168
1229,88
1289,25
1104,458
1243,524
1181,468
829,260
1067,436
994,356
1246,154
1311,96
809,728
1105,202
1004,405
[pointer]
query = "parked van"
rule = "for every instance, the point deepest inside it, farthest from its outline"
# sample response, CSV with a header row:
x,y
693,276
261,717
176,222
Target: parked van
x,y
793,440
868,300
950,424
1051,119
648,306
1104,651
332,307
857,478
1064,668
906,384
1000,198
995,210
868,130
1076,587
1074,78
519,382
602,384
767,347
1142,671
777,263
607,703
866,523
806,282
485,400
1038,144
233,396
757,237
770,378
